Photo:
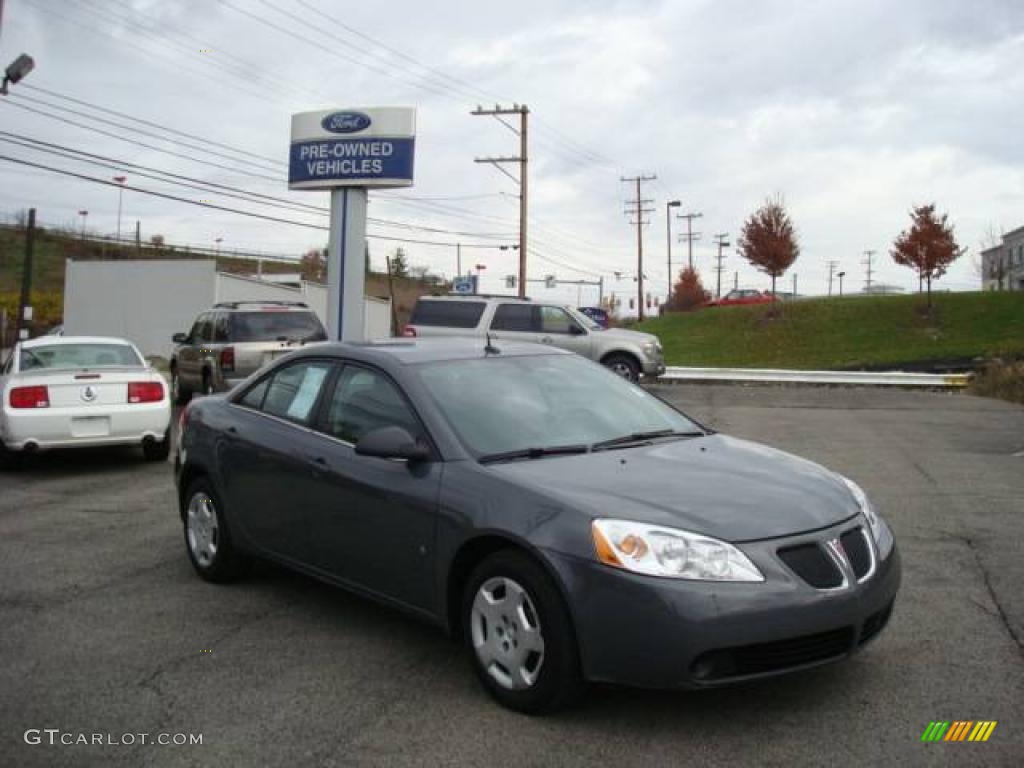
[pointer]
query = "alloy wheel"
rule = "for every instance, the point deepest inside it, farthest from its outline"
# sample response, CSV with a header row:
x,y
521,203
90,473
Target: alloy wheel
x,y
203,539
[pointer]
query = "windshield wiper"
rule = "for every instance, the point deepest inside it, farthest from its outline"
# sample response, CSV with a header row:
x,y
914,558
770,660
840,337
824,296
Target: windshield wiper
x,y
640,438
533,453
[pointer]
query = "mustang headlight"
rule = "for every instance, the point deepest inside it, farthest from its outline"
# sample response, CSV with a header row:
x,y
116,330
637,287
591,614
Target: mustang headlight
x,y
651,348
657,551
874,521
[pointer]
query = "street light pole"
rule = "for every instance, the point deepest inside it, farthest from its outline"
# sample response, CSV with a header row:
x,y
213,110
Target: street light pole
x,y
668,244
84,215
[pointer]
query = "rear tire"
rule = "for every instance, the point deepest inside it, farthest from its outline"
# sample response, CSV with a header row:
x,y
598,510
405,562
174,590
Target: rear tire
x,y
180,394
519,634
154,451
207,384
623,365
9,460
207,539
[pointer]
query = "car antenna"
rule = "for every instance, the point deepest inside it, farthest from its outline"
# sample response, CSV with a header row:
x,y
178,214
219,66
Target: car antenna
x,y
490,349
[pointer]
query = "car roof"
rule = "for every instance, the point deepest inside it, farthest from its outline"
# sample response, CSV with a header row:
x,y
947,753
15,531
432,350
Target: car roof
x,y
46,341
413,351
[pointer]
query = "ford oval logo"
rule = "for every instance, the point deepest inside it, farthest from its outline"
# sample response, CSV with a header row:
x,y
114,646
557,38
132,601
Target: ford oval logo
x,y
345,122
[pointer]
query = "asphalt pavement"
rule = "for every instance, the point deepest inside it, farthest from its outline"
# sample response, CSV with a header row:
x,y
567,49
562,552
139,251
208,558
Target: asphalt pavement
x,y
104,628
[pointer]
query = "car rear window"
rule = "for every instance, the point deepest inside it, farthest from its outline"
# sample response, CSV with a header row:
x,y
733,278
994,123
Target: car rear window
x,y
514,317
56,356
451,314
273,325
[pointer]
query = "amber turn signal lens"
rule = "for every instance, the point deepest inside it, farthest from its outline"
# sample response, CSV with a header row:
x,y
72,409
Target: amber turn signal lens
x,y
603,547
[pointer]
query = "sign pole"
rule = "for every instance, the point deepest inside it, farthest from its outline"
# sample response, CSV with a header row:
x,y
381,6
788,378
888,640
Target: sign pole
x,y
346,265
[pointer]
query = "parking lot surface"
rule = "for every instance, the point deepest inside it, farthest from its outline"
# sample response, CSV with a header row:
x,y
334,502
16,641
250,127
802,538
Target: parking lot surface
x,y
105,629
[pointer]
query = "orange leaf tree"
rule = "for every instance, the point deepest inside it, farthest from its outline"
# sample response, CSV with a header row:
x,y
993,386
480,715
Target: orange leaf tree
x,y
928,247
688,292
768,240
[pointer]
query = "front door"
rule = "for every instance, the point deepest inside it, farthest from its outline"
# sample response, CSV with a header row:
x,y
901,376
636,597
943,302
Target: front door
x,y
374,518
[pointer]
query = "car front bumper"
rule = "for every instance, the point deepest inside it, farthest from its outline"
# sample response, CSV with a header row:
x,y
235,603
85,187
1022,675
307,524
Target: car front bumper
x,y
670,633
43,428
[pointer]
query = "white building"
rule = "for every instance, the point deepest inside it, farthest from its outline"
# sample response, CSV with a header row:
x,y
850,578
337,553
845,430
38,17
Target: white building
x,y
1002,267
148,301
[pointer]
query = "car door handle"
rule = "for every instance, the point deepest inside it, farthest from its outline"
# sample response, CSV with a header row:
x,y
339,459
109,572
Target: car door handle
x,y
317,465
546,340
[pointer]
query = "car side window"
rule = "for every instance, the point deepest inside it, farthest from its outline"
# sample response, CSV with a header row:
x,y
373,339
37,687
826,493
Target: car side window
x,y
364,400
293,391
254,397
197,328
513,317
221,327
555,320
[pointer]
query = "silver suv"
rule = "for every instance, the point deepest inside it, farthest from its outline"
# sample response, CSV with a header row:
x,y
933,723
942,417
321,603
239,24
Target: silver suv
x,y
235,339
628,353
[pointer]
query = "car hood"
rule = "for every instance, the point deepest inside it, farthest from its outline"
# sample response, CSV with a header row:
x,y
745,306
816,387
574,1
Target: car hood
x,y
719,486
633,337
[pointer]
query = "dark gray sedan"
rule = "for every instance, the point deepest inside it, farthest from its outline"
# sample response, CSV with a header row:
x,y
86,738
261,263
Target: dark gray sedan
x,y
567,524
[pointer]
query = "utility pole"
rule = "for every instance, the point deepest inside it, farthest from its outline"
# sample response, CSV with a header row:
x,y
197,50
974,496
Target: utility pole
x,y
690,234
736,280
25,304
868,255
120,197
523,111
668,244
832,264
639,210
840,275
84,214
722,239
794,285
458,259
138,238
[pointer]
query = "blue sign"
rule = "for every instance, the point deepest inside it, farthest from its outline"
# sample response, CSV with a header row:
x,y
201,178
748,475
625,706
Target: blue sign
x,y
464,285
351,160
345,122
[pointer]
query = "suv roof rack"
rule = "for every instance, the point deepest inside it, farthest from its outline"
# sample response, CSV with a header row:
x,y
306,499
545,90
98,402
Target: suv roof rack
x,y
478,296
274,302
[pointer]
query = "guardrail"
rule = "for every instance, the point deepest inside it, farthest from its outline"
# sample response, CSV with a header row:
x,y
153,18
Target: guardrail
x,y
843,378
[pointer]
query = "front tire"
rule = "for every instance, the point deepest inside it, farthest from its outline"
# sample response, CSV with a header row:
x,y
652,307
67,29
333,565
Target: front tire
x,y
624,366
519,634
207,539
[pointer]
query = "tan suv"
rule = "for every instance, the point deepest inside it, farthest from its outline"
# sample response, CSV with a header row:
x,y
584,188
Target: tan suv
x,y
628,353
235,339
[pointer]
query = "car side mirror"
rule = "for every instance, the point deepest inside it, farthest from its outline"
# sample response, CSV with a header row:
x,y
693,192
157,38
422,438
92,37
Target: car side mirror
x,y
392,443
180,338
575,330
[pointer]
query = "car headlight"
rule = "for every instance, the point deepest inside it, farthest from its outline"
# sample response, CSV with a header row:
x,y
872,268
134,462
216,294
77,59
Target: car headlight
x,y
657,551
874,522
651,348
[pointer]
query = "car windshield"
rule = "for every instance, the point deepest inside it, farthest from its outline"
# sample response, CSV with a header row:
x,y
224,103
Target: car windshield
x,y
277,325
59,356
504,404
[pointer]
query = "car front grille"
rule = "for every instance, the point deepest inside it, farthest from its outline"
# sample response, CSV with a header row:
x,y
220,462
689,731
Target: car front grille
x,y
810,563
772,657
857,551
875,623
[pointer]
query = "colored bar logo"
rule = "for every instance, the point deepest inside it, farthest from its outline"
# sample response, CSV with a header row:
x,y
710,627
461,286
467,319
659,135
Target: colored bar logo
x,y
959,730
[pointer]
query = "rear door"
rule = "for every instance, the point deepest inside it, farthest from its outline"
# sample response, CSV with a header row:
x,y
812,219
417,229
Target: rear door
x,y
265,459
515,321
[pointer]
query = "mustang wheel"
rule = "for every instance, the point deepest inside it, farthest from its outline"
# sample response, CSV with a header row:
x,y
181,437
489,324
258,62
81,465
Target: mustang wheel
x,y
206,536
520,635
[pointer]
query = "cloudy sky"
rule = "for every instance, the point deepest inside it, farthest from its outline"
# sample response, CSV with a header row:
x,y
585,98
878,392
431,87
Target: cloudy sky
x,y
852,111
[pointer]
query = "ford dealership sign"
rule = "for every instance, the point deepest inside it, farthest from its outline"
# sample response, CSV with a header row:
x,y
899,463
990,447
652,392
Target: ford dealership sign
x,y
352,148
346,122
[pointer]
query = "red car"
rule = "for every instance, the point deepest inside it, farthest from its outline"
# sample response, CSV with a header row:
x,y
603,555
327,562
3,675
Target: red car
x,y
742,296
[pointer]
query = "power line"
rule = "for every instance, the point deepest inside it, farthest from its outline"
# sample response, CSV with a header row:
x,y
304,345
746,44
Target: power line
x,y
201,204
